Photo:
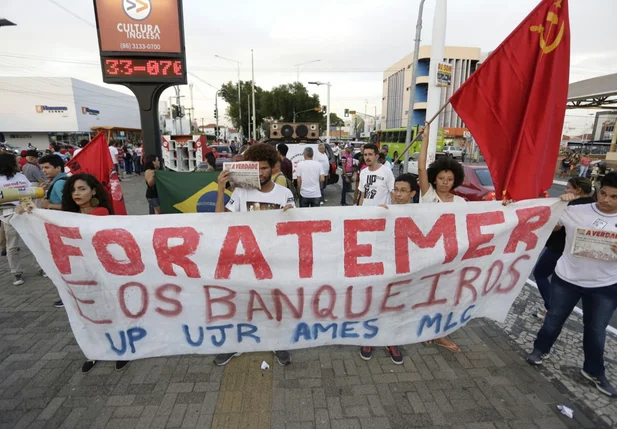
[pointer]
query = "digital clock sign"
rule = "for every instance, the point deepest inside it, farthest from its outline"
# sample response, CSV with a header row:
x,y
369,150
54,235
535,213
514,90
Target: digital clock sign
x,y
143,69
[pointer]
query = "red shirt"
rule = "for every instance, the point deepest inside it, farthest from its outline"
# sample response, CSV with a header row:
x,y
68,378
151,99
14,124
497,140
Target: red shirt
x,y
22,162
100,211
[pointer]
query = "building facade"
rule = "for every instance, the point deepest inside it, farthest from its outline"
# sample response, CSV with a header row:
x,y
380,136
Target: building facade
x,y
397,83
40,110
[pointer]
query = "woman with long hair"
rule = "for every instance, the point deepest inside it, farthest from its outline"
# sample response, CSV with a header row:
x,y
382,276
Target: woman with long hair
x,y
152,164
84,194
582,189
436,184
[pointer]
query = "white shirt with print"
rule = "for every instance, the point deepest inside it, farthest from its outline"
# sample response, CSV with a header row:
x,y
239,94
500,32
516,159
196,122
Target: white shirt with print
x,y
18,181
586,272
248,200
376,186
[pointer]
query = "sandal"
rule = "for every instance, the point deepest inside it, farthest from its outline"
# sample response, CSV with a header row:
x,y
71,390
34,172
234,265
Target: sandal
x,y
445,342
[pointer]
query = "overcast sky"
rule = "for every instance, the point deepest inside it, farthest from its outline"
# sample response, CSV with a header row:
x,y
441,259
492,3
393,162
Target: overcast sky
x,y
355,41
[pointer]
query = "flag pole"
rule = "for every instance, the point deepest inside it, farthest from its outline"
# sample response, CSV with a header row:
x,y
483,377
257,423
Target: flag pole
x,y
422,133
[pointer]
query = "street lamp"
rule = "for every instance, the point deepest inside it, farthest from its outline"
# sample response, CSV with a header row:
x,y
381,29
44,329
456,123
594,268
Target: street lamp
x,y
303,64
239,97
327,108
6,23
216,109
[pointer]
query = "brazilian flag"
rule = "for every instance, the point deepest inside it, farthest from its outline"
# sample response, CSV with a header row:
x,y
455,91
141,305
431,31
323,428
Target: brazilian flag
x,y
188,192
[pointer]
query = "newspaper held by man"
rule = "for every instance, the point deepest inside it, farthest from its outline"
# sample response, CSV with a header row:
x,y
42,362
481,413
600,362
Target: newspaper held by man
x,y
595,244
244,174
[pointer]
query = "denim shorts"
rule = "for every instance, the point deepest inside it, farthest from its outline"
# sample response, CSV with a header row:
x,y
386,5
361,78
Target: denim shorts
x,y
154,202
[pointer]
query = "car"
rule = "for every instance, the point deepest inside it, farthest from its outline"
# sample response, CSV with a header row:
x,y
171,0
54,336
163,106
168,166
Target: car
x,y
455,152
412,164
478,184
222,154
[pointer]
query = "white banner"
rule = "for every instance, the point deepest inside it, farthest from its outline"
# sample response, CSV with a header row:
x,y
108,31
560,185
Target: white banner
x,y
137,287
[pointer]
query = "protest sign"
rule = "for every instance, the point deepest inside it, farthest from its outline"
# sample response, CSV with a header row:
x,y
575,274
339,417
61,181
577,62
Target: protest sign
x,y
222,282
243,174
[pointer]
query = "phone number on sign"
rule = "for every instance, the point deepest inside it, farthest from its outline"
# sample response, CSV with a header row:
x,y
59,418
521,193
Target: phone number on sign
x,y
140,46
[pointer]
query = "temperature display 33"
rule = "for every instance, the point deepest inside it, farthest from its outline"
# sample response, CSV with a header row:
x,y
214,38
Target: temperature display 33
x,y
143,69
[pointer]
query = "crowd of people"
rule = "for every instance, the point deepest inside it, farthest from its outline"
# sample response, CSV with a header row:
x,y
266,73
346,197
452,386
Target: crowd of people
x,y
562,278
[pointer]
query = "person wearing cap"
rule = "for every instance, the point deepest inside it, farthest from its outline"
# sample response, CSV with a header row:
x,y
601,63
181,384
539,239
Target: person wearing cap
x,y
31,168
384,150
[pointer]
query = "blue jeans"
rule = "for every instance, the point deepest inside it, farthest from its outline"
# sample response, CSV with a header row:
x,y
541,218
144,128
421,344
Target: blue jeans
x,y
599,304
309,202
346,188
545,267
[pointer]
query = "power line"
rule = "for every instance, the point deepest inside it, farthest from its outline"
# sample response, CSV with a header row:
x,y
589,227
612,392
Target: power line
x,y
70,12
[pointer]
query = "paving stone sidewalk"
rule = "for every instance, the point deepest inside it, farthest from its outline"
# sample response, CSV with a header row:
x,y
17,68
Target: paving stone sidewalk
x,y
488,385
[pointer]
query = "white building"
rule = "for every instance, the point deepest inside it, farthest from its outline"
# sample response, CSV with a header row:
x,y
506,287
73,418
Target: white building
x,y
38,110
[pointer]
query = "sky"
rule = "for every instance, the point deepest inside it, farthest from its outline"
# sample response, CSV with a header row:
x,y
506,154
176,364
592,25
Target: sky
x,y
355,42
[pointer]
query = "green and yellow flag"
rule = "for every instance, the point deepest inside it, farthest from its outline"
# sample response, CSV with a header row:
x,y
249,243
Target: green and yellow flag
x,y
187,192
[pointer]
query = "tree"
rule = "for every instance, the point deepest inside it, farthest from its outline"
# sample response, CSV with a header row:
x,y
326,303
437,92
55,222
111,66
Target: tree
x,y
230,95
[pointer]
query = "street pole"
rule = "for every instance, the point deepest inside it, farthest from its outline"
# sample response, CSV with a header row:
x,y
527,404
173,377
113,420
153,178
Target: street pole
x,y
414,74
328,118
239,102
433,104
249,117
177,88
375,124
191,112
253,95
216,109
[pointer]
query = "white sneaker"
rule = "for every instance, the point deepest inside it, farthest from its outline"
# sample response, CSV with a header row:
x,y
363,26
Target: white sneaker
x,y
18,280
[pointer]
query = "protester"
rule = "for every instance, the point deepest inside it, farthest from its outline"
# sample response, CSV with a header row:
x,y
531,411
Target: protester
x,y
82,144
152,195
113,151
10,177
376,181
594,281
137,158
310,177
286,165
581,188
405,189
54,149
31,169
384,150
121,166
53,169
436,184
324,161
128,159
22,159
585,162
348,162
269,197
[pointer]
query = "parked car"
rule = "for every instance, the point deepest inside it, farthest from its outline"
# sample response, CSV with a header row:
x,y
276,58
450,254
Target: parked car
x,y
412,163
478,184
455,152
222,154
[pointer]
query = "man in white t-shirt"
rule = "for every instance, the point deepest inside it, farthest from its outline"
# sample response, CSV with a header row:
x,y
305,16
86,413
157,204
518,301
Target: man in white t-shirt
x,y
11,178
590,279
270,197
113,151
310,178
322,157
376,181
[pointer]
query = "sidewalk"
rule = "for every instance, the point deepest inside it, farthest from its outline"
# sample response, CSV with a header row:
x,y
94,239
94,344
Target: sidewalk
x,y
488,385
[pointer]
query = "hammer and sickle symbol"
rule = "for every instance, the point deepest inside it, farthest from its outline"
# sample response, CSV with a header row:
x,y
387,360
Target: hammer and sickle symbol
x,y
554,20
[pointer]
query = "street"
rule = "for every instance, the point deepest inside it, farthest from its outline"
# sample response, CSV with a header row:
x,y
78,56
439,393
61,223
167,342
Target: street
x,y
487,385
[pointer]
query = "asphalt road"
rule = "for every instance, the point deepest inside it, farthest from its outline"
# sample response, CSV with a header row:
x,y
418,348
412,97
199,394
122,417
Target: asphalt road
x,y
556,191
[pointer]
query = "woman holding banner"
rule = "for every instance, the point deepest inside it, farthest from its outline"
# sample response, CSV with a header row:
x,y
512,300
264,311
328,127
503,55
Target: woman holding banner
x,y
84,194
436,182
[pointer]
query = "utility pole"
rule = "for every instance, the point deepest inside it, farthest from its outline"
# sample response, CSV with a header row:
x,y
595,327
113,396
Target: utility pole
x,y
249,118
216,110
253,91
239,92
178,97
191,111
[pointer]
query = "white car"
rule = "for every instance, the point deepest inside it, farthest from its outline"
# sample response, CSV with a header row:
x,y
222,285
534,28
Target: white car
x,y
453,151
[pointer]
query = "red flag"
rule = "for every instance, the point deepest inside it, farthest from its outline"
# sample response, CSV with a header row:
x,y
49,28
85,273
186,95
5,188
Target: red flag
x,y
95,159
514,104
